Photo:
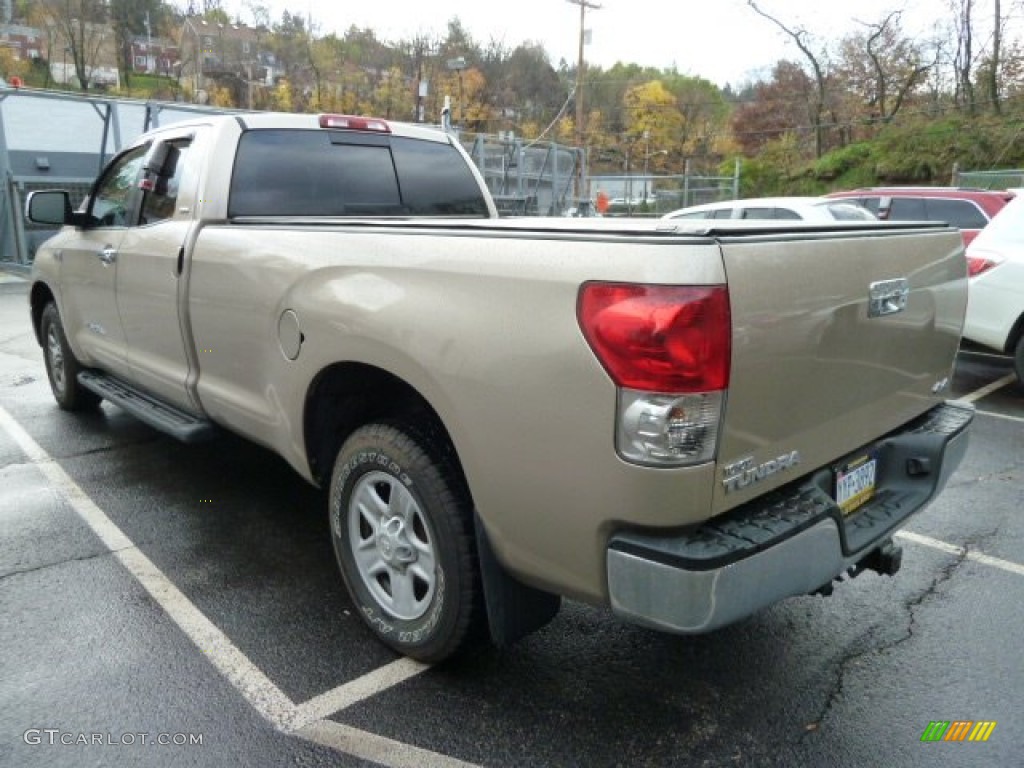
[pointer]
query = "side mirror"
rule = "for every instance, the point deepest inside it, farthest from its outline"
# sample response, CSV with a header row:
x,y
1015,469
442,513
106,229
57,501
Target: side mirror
x,y
52,206
156,161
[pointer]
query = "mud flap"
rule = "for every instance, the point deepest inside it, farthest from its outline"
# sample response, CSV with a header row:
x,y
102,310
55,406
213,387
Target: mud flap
x,y
514,610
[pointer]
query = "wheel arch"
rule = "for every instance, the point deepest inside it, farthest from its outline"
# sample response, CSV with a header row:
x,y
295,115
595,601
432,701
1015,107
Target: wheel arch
x,y
344,396
1016,331
39,297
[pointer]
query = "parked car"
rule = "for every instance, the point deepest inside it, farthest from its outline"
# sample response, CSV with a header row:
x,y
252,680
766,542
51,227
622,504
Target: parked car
x,y
967,209
995,305
792,208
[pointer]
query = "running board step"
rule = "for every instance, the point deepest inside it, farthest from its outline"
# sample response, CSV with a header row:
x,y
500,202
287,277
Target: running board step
x,y
146,408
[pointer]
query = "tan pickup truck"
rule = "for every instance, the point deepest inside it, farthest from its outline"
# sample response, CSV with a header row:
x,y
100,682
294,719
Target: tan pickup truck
x,y
686,422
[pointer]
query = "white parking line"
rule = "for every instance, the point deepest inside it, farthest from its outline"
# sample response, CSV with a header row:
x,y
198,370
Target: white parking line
x,y
375,748
344,696
989,389
1003,416
952,549
257,689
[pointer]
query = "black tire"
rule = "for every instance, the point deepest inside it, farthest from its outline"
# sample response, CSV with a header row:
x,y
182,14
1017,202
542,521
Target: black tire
x,y
402,529
1018,359
62,367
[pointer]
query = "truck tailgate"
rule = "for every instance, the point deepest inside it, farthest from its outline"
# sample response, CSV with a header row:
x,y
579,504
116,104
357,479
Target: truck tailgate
x,y
819,368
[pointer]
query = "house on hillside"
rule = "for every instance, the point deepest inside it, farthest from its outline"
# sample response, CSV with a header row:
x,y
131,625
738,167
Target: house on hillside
x,y
26,43
227,54
154,55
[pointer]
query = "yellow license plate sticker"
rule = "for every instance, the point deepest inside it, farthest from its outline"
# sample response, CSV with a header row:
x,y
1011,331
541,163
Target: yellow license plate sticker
x,y
855,483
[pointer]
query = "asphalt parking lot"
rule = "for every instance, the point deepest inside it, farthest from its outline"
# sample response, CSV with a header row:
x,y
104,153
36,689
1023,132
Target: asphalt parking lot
x,y
170,605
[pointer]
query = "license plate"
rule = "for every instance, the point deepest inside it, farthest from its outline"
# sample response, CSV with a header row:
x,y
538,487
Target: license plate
x,y
855,483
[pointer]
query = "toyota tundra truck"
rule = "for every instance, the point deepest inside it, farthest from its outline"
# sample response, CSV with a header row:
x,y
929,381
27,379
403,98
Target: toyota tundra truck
x,y
685,422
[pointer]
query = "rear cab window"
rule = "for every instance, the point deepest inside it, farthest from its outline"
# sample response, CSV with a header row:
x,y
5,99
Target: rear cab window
x,y
294,172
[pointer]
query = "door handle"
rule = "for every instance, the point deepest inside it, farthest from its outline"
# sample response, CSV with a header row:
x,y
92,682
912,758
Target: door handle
x,y
108,255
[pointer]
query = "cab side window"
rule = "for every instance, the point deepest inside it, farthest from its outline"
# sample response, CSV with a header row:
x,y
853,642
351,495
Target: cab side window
x,y
115,195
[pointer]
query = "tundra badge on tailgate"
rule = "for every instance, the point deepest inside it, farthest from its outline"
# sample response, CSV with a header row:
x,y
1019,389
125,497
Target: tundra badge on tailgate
x,y
887,297
739,474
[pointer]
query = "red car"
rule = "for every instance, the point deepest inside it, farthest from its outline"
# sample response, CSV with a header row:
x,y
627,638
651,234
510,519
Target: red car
x,y
968,209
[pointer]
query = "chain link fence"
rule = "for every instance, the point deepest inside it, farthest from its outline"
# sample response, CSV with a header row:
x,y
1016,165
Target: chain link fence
x,y
655,195
1006,179
539,178
525,178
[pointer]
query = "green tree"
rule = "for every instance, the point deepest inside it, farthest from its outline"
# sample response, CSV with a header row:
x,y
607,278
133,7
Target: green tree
x,y
130,18
213,12
705,113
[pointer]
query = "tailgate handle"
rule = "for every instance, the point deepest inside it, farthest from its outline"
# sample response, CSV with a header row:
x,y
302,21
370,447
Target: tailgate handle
x,y
887,297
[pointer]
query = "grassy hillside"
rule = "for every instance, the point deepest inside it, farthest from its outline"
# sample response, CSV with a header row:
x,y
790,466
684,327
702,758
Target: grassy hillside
x,y
919,151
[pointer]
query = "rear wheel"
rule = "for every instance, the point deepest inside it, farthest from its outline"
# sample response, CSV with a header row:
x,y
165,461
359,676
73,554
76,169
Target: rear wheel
x,y
402,529
1018,359
62,367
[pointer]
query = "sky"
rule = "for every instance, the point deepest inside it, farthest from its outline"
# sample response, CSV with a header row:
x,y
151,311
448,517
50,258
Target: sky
x,y
723,41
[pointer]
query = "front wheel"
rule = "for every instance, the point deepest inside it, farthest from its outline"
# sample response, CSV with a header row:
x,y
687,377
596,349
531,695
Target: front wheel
x,y
402,529
62,367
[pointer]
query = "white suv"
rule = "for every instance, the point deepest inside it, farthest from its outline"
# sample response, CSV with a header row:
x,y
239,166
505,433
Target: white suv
x,y
791,208
995,304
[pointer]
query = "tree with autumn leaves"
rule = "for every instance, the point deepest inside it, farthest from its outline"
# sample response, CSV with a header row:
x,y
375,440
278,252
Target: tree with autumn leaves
x,y
880,105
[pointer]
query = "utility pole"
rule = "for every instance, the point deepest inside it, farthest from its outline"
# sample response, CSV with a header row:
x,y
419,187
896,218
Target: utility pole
x,y
580,135
459,64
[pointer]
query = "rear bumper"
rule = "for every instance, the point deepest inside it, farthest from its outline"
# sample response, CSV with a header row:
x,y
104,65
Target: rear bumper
x,y
790,542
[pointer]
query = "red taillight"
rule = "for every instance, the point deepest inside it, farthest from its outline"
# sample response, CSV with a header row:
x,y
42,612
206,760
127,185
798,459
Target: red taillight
x,y
659,338
977,265
352,123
